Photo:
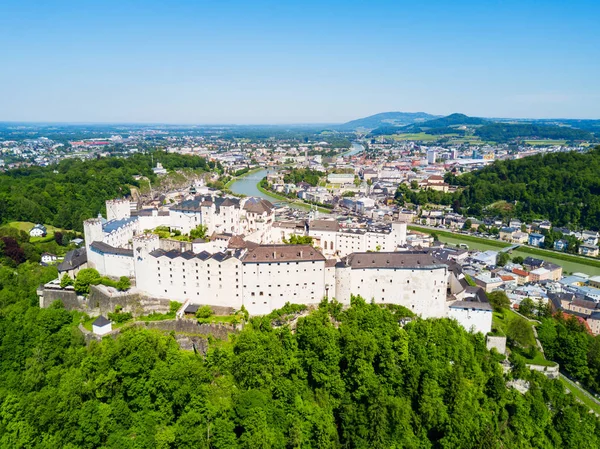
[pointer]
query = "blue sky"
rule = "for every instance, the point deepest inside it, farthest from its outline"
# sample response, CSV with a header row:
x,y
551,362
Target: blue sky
x,y
226,61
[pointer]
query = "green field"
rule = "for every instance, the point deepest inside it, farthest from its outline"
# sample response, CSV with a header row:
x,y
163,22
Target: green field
x,y
578,393
416,136
545,142
570,263
27,226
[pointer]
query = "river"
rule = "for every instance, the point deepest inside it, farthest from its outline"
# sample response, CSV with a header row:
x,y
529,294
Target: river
x,y
246,185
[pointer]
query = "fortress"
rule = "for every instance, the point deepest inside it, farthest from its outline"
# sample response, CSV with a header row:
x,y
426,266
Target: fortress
x,y
245,263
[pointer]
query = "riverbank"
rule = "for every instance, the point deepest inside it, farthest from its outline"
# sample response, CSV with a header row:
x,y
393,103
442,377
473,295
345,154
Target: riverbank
x,y
236,178
570,263
301,204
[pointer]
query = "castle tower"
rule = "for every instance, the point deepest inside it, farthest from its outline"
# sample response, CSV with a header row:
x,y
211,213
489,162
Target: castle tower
x,y
144,264
118,209
92,230
398,233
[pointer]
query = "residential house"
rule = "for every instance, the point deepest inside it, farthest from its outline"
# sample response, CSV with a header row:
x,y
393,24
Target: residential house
x,y
514,223
561,245
38,230
522,276
531,263
594,323
536,239
520,237
594,281
488,281
540,274
74,261
588,250
486,258
506,234
48,258
589,238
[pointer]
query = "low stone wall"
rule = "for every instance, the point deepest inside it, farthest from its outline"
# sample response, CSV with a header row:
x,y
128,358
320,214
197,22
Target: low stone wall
x,y
497,342
68,297
552,372
190,326
177,245
189,334
100,303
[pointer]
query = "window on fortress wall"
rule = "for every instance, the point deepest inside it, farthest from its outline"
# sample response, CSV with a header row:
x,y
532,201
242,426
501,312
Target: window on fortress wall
x,y
414,291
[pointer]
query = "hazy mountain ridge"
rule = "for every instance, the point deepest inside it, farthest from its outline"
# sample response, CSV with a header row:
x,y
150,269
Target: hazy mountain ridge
x,y
388,119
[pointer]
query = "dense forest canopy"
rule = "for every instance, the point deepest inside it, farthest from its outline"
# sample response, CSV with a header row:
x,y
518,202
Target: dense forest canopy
x,y
504,132
562,187
344,379
64,195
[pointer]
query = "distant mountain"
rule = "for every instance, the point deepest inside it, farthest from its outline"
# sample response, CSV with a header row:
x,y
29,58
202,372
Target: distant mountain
x,y
387,119
453,120
437,126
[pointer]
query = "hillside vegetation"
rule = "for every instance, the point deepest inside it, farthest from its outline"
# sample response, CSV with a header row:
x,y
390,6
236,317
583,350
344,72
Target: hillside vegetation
x,y
64,195
504,132
562,187
488,130
344,379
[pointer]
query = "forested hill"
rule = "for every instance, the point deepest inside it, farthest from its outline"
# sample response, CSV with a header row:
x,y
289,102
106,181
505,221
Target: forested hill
x,y
66,194
387,119
505,132
344,379
563,187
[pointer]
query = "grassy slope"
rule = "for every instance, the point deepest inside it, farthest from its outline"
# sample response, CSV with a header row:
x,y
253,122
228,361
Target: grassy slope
x,y
580,395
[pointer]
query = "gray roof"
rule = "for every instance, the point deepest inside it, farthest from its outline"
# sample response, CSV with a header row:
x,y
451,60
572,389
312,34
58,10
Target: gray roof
x,y
198,202
105,248
324,225
101,321
258,205
73,259
282,253
204,255
113,225
402,259
471,305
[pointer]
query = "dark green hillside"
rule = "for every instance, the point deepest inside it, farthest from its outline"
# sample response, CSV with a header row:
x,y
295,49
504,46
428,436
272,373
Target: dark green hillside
x,y
344,379
504,132
563,187
443,125
77,190
452,120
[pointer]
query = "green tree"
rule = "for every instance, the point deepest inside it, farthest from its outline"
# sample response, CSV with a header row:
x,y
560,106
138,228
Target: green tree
x,y
502,259
123,284
467,225
499,300
518,260
296,239
204,312
65,281
526,307
199,232
85,278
